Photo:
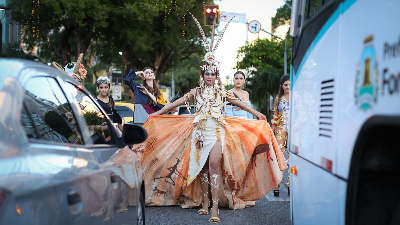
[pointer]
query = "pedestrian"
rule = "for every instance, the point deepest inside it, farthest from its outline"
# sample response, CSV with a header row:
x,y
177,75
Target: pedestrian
x,y
280,121
231,110
107,102
148,97
185,157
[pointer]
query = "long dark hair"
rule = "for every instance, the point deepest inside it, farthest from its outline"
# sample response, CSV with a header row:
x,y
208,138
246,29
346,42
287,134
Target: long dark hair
x,y
155,90
284,78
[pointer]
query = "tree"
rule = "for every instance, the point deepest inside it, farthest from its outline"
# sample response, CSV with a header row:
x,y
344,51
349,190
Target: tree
x,y
156,33
267,57
60,28
186,74
161,38
13,50
282,16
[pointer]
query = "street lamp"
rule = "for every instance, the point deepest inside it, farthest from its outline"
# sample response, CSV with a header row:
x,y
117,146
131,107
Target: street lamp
x,y
284,54
2,11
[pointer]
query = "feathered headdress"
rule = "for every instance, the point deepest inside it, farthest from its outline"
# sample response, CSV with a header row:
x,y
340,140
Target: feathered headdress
x,y
71,68
210,63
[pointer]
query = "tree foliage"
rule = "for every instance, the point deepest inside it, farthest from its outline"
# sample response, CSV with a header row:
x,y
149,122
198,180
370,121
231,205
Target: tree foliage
x,y
267,57
156,33
186,74
13,50
282,16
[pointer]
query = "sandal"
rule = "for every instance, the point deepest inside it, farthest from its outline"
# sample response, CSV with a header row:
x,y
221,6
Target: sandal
x,y
203,212
214,220
106,220
122,211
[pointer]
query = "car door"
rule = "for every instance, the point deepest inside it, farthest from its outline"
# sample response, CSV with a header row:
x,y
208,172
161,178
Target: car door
x,y
126,203
78,182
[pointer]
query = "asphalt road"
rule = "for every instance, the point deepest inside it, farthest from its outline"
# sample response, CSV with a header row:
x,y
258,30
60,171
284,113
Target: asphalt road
x,y
268,210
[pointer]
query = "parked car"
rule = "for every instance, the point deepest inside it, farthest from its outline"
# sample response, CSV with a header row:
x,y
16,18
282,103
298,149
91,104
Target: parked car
x,y
61,159
125,110
183,110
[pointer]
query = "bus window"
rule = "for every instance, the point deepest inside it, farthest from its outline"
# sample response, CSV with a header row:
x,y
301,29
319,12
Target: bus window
x,y
312,6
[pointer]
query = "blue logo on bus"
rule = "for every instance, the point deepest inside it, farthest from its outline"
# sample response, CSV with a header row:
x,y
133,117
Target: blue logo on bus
x,y
367,78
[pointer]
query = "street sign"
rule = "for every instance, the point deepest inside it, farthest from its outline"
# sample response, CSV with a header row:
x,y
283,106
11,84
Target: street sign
x,y
116,92
254,26
225,16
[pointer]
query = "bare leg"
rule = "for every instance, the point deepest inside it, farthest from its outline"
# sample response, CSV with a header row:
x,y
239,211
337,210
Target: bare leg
x,y
281,136
204,188
214,164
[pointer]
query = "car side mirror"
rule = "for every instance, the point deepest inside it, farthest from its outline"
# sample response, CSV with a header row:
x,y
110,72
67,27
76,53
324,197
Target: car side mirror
x,y
133,134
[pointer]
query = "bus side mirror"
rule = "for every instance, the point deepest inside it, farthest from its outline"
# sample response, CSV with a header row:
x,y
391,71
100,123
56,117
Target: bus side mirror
x,y
133,134
295,19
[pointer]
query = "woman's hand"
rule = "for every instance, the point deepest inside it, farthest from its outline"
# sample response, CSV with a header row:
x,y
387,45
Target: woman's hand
x,y
144,90
140,74
262,117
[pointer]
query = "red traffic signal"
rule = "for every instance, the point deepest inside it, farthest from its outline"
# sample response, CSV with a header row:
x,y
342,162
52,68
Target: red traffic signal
x,y
211,11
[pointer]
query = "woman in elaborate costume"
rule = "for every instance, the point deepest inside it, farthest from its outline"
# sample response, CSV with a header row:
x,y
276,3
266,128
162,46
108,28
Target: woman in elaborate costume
x,y
186,157
280,121
148,97
75,69
231,110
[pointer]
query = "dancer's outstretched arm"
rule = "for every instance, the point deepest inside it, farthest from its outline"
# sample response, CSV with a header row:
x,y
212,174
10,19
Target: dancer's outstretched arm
x,y
179,102
247,108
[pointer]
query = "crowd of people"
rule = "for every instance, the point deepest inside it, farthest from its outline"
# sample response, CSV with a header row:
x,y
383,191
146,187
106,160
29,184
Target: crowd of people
x,y
219,156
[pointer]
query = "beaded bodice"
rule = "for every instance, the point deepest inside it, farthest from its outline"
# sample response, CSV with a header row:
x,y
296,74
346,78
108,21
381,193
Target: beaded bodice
x,y
283,113
209,102
283,105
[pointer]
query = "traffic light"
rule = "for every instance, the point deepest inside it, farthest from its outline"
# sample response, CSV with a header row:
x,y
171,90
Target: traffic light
x,y
211,11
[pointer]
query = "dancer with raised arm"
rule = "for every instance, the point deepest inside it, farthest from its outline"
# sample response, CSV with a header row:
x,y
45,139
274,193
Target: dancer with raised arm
x,y
185,157
148,97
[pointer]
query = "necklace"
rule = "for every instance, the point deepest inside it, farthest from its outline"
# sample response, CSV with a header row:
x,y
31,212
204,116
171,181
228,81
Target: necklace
x,y
208,94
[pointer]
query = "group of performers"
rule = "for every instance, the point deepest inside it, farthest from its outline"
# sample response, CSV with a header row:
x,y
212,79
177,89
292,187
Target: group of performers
x,y
219,156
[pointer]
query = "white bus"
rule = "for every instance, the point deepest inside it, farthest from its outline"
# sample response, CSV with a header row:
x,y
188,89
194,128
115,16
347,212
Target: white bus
x,y
345,112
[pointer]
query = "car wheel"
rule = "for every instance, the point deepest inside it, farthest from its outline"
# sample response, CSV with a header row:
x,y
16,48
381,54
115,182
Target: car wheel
x,y
141,217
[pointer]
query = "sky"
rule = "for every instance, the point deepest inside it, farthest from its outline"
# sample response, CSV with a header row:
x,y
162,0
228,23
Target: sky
x,y
235,35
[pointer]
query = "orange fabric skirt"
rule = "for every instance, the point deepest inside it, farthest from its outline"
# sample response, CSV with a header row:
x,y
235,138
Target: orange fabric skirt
x,y
251,166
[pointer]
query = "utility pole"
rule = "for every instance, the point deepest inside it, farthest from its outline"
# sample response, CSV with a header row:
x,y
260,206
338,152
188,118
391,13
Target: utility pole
x,y
172,85
284,54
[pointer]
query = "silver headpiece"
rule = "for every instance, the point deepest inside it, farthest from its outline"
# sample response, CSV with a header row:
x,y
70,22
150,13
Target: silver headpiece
x,y
103,80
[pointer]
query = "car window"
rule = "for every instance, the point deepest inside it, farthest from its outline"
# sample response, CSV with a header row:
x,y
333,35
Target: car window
x,y
94,117
46,115
313,6
183,110
124,111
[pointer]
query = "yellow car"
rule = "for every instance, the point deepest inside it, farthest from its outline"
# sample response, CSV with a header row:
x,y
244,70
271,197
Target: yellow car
x,y
125,110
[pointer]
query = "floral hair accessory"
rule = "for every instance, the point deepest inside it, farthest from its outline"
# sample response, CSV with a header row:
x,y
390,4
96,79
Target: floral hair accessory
x,y
103,80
